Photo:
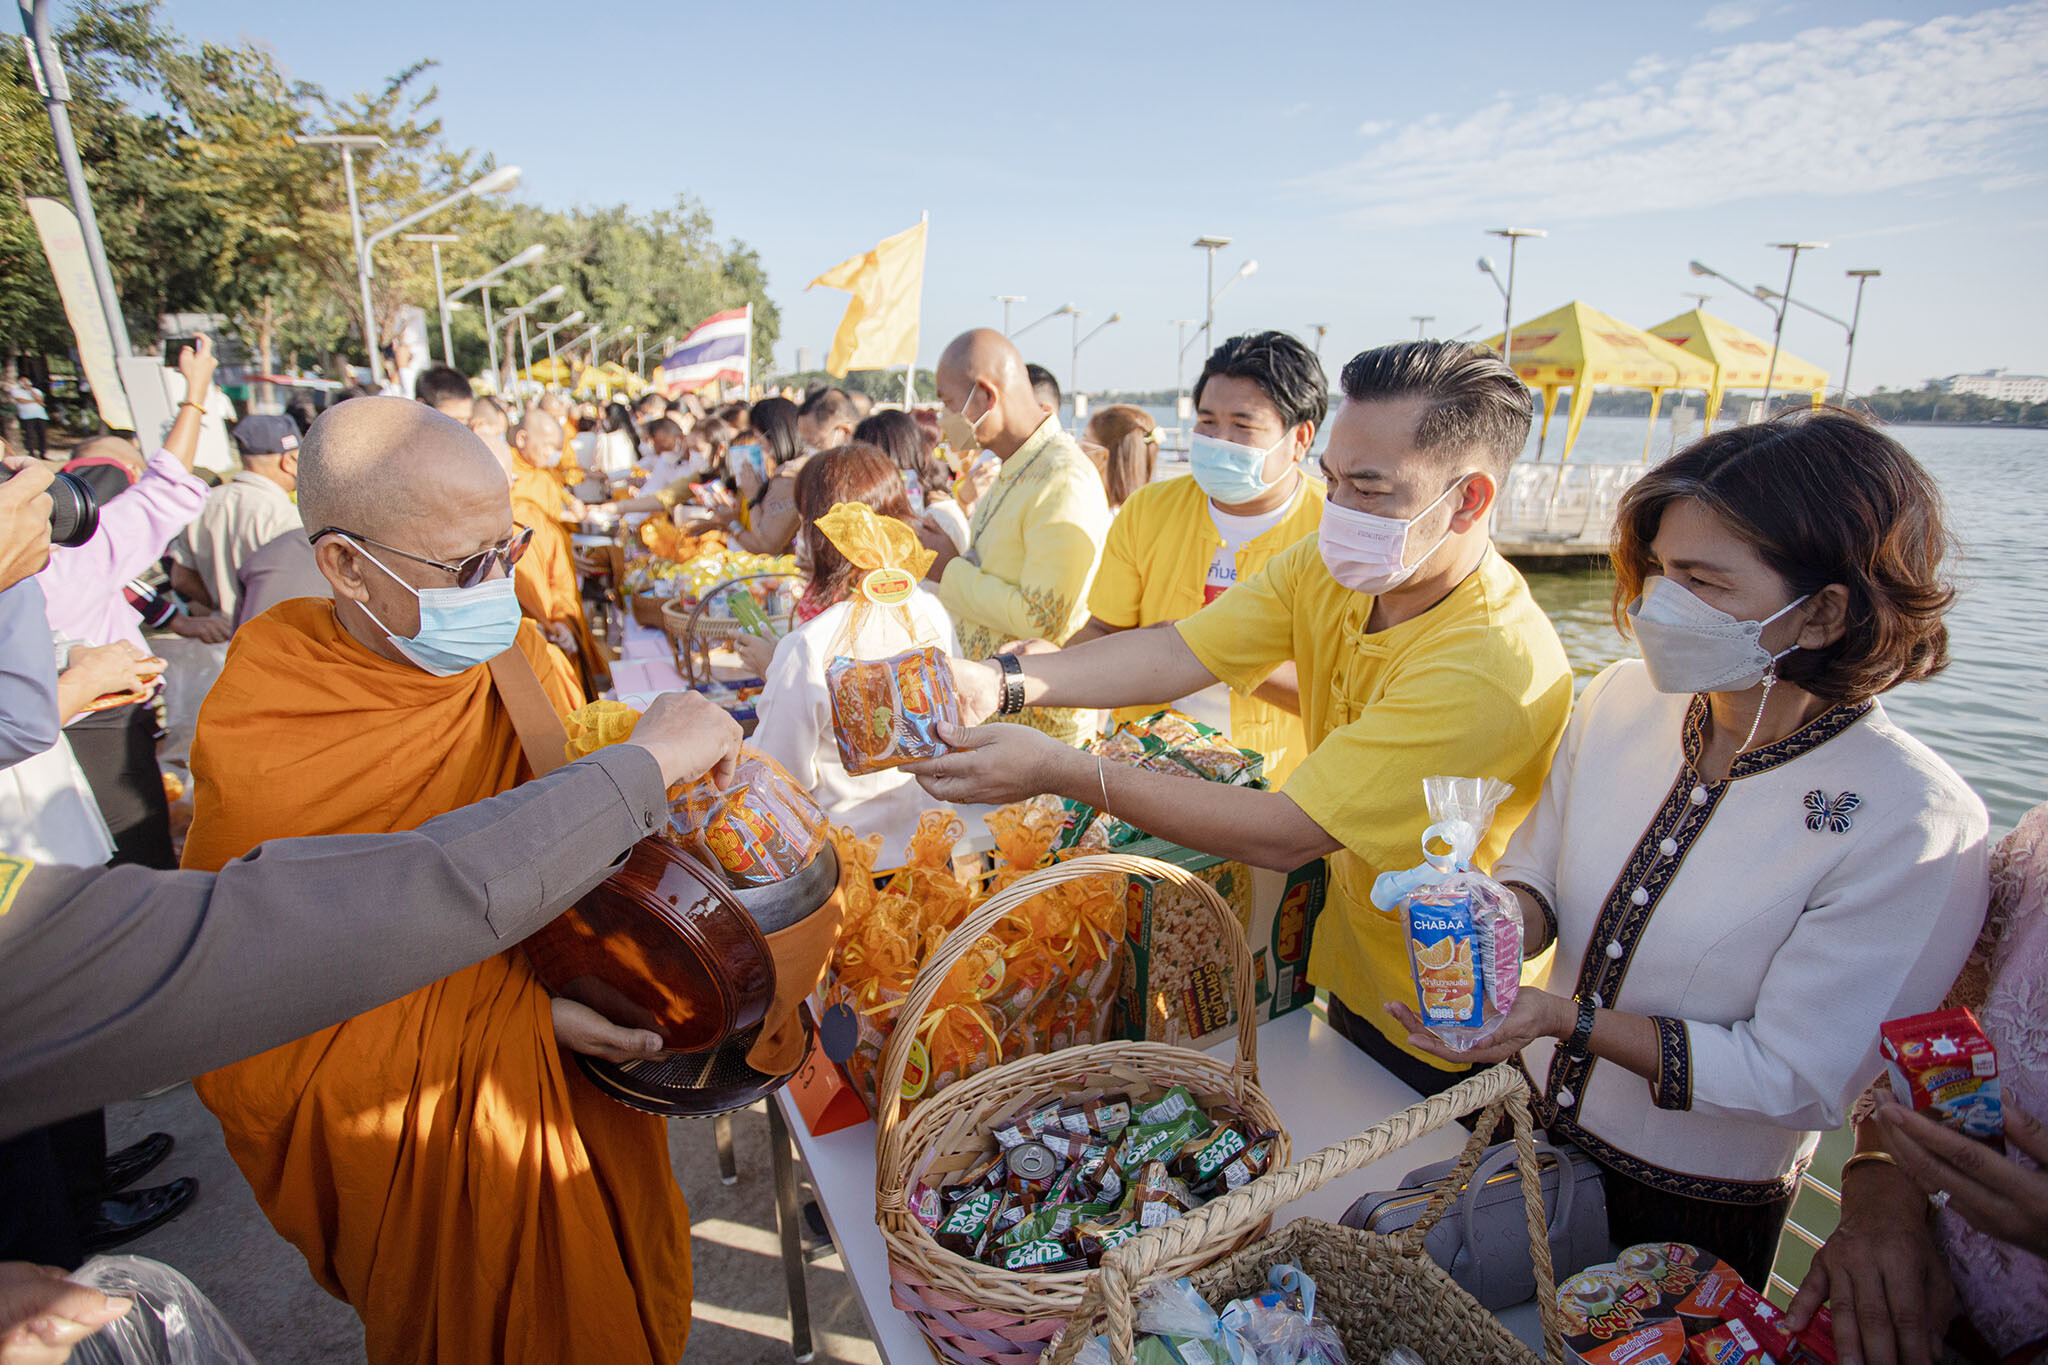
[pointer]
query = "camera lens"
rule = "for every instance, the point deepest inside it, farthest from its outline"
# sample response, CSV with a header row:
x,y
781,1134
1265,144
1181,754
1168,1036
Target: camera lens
x,y
74,511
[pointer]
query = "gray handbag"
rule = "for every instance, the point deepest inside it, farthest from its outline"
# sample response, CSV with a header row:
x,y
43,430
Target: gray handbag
x,y
1483,1237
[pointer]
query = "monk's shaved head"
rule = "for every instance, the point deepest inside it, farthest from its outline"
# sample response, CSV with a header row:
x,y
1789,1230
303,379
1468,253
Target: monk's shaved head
x,y
985,355
377,465
538,437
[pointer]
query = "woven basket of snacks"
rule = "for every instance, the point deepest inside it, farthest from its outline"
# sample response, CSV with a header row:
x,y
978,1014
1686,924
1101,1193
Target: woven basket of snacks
x,y
646,608
1377,1291
950,1173
696,626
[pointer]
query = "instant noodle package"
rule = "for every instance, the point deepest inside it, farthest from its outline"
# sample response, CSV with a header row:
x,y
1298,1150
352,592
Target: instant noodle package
x,y
1464,929
1669,1303
760,826
885,711
1044,979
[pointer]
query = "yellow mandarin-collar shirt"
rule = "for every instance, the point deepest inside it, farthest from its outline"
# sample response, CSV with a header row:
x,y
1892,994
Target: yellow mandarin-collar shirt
x,y
1155,567
1477,686
1037,534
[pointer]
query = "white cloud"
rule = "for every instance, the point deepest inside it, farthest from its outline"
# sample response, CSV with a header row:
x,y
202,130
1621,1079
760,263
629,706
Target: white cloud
x,y
1726,18
1882,105
1373,128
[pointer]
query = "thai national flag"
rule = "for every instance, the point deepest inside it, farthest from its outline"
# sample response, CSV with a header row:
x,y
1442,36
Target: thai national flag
x,y
716,348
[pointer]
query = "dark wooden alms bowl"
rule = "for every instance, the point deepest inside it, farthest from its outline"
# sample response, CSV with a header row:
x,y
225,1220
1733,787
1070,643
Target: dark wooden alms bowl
x,y
661,945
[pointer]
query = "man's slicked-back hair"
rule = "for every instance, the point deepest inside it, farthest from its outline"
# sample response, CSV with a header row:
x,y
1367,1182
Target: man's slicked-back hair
x,y
440,384
1286,371
1473,400
1044,385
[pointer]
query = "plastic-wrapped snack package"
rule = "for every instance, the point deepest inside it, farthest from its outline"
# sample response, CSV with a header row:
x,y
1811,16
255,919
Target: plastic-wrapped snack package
x,y
760,827
171,1323
885,711
1464,929
1280,1327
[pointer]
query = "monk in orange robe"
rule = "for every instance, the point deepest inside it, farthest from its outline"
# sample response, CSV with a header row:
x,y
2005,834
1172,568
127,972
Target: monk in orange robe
x,y
546,577
441,1163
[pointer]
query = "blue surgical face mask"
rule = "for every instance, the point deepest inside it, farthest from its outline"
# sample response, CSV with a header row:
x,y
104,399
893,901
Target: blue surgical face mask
x,y
1228,472
459,627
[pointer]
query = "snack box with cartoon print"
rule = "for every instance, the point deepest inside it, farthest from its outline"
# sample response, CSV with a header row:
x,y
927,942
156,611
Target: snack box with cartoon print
x,y
1176,984
1943,1066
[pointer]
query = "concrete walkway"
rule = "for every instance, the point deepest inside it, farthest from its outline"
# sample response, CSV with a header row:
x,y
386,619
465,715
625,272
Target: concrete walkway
x,y
260,1282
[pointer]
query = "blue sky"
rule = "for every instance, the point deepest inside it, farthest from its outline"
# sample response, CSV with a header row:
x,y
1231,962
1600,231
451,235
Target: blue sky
x,y
1357,151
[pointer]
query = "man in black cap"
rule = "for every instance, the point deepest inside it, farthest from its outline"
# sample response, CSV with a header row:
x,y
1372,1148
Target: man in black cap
x,y
241,516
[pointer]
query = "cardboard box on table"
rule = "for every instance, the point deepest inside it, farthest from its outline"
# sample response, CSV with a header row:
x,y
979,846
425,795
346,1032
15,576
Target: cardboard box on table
x,y
1177,990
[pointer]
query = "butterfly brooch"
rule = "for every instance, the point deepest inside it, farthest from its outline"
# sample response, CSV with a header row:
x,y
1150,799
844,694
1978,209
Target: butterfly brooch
x,y
1830,813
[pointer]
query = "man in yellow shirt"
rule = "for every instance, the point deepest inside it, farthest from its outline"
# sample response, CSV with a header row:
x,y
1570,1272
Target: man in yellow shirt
x,y
1179,544
1419,652
1037,531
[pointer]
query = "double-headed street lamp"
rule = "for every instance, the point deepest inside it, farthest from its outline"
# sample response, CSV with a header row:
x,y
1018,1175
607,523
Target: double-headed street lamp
x,y
1778,331
434,240
1212,245
519,315
1848,325
1074,365
499,181
1062,311
1006,300
547,334
485,283
1514,237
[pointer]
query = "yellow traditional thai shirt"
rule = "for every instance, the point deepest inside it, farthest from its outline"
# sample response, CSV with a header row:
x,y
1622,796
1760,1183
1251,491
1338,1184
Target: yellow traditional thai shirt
x,y
1477,686
1038,532
1154,569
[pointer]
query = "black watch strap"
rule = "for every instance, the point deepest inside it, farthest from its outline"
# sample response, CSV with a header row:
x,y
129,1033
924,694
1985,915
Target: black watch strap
x,y
1582,1033
1013,684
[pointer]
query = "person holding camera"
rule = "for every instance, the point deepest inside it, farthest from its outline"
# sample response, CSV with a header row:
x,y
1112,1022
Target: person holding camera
x,y
85,603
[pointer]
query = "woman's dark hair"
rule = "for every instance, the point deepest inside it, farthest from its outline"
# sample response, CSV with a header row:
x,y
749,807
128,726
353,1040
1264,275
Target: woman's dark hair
x,y
1824,497
895,434
1286,371
1130,442
1472,399
618,417
855,472
774,421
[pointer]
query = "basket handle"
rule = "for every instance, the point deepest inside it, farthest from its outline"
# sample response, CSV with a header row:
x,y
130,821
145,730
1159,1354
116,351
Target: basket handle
x,y
891,1176
1113,1294
688,646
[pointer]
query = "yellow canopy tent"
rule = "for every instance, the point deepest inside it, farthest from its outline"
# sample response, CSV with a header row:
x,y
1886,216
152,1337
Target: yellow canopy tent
x,y
552,371
1579,347
1739,358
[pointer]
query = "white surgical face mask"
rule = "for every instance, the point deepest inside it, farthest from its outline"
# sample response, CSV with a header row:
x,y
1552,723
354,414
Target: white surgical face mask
x,y
1693,646
1229,472
1368,553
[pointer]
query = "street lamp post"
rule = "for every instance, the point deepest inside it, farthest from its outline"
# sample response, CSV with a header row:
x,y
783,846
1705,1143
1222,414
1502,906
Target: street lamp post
x,y
1074,366
1514,237
1699,301
498,181
350,144
433,241
1421,321
1180,360
1006,300
1062,311
1320,329
1784,307
48,66
519,315
1211,245
1862,276
484,284
547,334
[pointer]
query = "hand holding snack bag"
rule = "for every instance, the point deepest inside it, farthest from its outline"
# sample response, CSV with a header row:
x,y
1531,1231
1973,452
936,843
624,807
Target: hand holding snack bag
x,y
885,712
760,827
1464,929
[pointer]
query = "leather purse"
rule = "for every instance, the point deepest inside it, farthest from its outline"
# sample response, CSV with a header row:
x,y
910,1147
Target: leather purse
x,y
1482,1240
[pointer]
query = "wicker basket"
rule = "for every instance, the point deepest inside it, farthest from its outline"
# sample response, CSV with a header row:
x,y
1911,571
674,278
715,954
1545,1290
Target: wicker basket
x,y
1378,1291
693,636
646,608
972,1313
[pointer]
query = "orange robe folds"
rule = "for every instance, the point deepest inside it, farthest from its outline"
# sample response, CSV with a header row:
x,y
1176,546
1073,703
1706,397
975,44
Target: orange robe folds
x,y
545,577
443,1167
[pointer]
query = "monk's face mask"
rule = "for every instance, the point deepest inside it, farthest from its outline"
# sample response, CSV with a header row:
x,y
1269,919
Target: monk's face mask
x,y
459,627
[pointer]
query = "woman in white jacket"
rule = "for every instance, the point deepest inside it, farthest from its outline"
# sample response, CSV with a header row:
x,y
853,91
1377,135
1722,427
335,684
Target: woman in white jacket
x,y
1746,866
795,710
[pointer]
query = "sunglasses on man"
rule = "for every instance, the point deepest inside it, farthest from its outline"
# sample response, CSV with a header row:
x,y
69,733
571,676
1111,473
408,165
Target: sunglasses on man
x,y
467,571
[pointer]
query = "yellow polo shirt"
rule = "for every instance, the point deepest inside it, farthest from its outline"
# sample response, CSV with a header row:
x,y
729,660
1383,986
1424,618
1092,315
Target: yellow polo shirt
x,y
1477,686
1155,565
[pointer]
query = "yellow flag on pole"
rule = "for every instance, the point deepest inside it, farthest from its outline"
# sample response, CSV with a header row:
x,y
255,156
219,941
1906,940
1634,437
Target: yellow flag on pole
x,y
887,284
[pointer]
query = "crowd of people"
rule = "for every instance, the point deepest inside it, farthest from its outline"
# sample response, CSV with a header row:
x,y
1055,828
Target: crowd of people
x,y
1709,957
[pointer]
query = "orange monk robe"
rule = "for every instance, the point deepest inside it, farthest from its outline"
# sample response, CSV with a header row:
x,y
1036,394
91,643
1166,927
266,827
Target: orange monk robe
x,y
443,1167
545,577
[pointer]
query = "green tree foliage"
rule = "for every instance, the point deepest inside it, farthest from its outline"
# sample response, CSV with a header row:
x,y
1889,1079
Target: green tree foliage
x,y
209,205
884,386
1930,404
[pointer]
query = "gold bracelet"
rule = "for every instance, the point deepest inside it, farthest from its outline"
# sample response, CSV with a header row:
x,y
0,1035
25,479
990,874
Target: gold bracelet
x,y
199,408
1861,1157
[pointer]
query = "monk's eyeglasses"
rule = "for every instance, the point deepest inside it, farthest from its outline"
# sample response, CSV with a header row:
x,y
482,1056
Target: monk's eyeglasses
x,y
469,570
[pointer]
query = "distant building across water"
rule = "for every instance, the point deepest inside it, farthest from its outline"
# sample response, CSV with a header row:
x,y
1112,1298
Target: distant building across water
x,y
2006,388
